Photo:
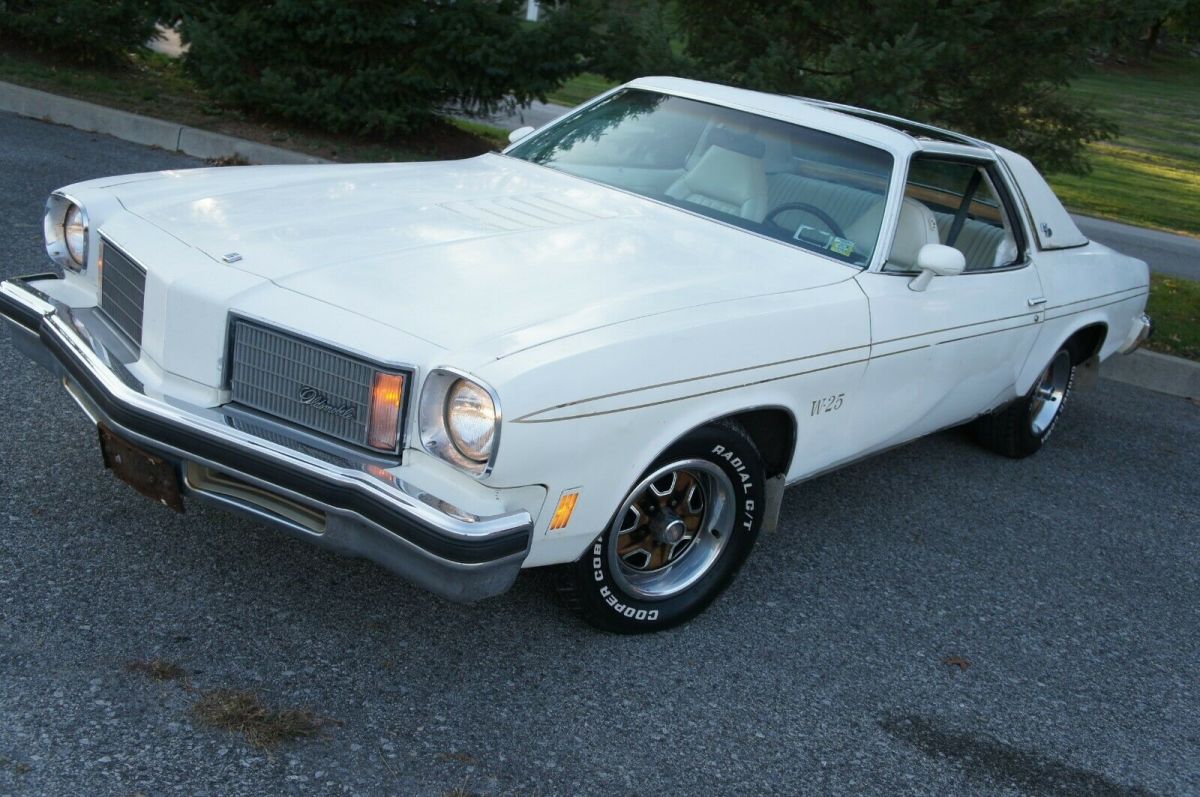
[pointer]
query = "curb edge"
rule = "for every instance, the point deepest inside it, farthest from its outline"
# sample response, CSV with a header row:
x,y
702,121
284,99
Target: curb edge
x,y
1152,370
146,130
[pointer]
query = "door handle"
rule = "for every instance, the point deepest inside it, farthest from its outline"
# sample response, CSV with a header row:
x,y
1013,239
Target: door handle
x,y
1035,301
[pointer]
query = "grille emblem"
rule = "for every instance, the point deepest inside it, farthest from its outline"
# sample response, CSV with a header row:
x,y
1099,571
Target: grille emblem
x,y
318,400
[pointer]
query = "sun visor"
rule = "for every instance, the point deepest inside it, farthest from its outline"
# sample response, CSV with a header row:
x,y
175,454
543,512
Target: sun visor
x,y
1054,227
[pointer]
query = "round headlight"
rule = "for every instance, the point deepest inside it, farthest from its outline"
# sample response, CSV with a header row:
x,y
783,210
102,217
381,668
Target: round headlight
x,y
470,420
75,228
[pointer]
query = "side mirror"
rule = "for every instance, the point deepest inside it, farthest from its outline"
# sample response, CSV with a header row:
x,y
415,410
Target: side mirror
x,y
936,260
519,134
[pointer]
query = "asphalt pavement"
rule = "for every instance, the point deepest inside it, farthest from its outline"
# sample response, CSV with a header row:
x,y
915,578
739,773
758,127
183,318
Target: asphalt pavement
x,y
936,620
535,114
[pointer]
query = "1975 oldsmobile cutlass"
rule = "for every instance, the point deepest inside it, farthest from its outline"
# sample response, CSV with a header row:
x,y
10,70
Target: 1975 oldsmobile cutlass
x,y
610,346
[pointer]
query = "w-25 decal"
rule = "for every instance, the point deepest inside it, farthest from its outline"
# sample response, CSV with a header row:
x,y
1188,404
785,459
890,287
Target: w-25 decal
x,y
829,404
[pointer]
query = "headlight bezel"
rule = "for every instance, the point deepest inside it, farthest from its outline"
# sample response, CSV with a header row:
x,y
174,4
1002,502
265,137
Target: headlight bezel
x,y
54,232
433,420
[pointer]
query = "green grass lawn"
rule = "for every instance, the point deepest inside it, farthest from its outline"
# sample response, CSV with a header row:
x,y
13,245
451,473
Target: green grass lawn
x,y
1175,307
579,89
1150,175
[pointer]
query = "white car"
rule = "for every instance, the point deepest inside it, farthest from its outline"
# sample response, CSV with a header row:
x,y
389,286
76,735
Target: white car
x,y
610,346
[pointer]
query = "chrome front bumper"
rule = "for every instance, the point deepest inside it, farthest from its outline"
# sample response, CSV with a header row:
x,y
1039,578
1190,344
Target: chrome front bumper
x,y
362,510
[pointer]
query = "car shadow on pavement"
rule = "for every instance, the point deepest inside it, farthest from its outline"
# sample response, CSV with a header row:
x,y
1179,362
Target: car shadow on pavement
x,y
987,759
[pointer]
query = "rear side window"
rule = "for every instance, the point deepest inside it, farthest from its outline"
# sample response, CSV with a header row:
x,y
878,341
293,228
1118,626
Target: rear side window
x,y
970,212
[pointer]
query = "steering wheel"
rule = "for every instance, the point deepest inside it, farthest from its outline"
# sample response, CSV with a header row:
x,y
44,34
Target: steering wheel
x,y
833,226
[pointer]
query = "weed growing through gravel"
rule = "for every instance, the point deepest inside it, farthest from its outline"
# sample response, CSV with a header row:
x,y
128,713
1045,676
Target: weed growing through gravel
x,y
244,712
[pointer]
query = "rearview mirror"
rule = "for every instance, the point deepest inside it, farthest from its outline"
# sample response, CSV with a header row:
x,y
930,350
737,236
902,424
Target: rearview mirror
x,y
936,260
519,134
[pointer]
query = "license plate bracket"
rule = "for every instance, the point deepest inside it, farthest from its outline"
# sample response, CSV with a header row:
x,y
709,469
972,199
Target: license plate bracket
x,y
150,475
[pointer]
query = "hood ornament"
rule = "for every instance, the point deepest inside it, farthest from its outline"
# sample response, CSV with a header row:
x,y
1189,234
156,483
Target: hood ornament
x,y
232,257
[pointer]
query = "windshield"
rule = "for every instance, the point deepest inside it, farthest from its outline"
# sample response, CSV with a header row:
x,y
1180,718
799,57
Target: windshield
x,y
815,190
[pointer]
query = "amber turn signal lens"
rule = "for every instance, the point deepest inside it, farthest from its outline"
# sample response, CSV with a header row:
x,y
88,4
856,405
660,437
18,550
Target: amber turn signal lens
x,y
562,514
387,396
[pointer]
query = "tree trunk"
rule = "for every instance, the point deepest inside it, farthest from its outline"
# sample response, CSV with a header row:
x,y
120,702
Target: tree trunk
x,y
1152,36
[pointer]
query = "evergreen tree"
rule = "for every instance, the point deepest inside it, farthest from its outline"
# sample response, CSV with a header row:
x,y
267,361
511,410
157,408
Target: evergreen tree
x,y
375,66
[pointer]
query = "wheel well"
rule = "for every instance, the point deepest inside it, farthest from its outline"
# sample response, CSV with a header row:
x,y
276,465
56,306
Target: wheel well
x,y
1086,342
773,431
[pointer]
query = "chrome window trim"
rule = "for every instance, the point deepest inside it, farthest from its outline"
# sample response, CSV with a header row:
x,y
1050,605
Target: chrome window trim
x,y
1026,263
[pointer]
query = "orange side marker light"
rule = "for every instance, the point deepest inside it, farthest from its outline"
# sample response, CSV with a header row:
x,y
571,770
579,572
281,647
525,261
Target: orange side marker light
x,y
562,514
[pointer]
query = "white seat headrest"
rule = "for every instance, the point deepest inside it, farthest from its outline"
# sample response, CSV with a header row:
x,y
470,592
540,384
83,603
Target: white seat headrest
x,y
729,179
917,226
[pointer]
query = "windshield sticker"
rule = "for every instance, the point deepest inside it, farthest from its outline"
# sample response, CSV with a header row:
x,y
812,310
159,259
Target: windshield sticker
x,y
842,246
812,235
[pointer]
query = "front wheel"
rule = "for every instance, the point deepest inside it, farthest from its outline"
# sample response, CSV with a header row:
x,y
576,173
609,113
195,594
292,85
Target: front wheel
x,y
1023,426
678,537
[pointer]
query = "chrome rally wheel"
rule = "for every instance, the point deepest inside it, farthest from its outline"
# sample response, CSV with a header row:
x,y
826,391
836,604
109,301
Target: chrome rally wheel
x,y
1021,427
1049,393
671,529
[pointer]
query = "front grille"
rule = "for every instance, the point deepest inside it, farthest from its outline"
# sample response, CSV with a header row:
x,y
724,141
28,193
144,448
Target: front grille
x,y
302,382
123,292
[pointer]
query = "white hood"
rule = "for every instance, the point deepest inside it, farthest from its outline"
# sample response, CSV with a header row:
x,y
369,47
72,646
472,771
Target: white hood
x,y
488,250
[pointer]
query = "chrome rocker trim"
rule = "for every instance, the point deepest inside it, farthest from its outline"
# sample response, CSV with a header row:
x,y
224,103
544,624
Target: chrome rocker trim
x,y
428,541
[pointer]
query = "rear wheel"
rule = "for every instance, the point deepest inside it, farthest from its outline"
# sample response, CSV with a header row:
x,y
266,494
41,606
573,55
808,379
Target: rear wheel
x,y
678,537
1023,426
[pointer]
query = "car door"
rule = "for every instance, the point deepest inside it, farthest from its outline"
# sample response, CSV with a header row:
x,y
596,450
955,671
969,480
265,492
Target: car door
x,y
944,354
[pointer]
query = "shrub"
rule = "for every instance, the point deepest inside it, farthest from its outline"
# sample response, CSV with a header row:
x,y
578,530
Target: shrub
x,y
97,31
375,66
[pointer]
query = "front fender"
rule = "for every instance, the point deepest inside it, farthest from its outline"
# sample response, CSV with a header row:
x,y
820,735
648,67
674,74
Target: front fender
x,y
594,411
